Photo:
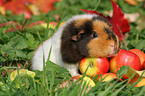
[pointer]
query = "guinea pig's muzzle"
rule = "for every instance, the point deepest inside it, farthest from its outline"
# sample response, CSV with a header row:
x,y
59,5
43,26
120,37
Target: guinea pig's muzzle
x,y
115,47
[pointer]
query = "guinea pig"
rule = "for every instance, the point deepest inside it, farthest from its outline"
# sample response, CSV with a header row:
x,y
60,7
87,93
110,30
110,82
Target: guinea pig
x,y
86,35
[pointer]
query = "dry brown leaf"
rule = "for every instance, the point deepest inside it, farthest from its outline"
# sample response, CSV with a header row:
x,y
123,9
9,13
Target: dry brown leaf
x,y
132,2
141,73
137,75
132,17
19,65
141,23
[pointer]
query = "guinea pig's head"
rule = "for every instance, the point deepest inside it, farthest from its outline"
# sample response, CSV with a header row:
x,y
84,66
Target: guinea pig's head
x,y
88,36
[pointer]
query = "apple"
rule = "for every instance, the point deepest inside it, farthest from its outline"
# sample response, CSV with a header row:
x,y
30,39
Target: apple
x,y
139,84
86,79
141,55
123,58
95,66
108,76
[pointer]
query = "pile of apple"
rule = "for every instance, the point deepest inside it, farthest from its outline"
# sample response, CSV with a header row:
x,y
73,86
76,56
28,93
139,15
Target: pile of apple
x,y
135,58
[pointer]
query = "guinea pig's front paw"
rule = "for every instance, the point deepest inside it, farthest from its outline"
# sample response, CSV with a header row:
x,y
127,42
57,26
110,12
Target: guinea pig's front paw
x,y
72,68
74,73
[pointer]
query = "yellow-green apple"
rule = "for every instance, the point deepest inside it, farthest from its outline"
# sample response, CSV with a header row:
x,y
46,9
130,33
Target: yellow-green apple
x,y
141,55
95,66
86,79
108,76
123,58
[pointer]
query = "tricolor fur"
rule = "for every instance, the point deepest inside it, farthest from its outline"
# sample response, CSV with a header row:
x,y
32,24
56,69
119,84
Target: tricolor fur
x,y
81,36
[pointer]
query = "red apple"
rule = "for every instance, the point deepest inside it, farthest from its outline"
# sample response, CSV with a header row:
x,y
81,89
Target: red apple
x,y
108,76
141,55
95,66
124,58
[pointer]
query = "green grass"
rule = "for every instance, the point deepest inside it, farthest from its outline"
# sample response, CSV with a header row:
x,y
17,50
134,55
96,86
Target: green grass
x,y
18,47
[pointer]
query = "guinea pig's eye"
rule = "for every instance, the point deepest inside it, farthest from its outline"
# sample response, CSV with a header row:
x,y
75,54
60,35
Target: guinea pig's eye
x,y
95,35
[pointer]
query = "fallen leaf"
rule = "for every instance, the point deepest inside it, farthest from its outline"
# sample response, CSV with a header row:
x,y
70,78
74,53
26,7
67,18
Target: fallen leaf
x,y
132,2
137,77
2,2
28,7
34,9
2,10
141,24
22,7
15,28
131,73
141,73
36,23
9,23
45,5
132,17
22,72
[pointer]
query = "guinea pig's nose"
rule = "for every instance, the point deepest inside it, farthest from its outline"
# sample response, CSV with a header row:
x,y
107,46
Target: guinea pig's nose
x,y
112,46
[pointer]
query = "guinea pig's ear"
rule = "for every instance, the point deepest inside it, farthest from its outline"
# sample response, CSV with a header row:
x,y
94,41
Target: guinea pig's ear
x,y
77,37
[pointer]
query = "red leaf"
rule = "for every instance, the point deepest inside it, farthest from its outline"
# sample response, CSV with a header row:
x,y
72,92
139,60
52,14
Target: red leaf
x,y
45,5
120,24
9,23
19,7
94,12
118,20
36,23
1,2
22,6
17,26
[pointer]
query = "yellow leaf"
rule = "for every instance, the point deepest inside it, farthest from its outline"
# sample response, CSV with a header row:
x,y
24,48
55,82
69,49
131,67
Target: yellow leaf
x,y
34,9
2,10
22,72
50,25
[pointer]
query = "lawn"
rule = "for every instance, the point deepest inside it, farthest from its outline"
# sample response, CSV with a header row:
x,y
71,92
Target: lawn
x,y
20,36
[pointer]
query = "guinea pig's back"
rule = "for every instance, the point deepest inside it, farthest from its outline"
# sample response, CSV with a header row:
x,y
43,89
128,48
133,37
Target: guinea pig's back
x,y
37,60
55,55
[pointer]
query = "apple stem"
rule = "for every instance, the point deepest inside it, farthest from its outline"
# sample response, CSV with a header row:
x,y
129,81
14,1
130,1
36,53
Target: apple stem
x,y
91,64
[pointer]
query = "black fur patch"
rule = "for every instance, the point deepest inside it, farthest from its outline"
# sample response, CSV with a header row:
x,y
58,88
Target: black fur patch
x,y
111,35
101,19
74,51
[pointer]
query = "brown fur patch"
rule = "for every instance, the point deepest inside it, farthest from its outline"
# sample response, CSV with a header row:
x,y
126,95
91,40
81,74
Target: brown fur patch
x,y
80,22
100,46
